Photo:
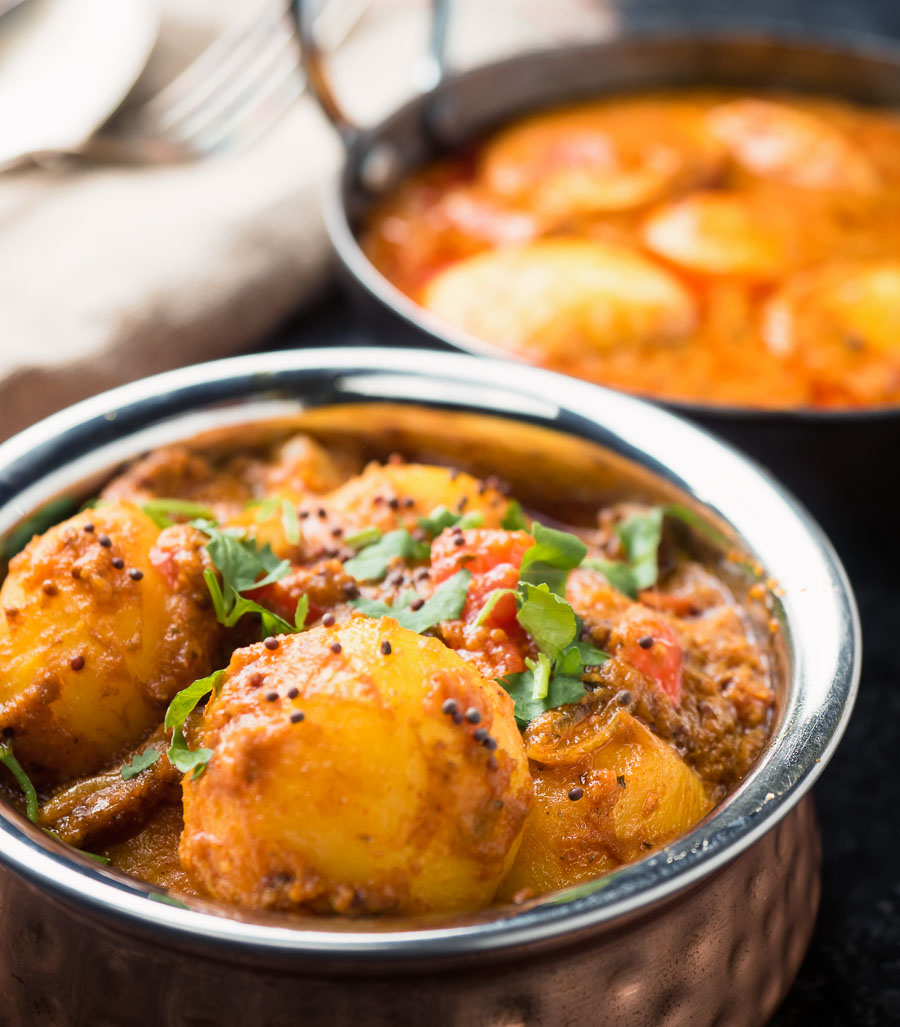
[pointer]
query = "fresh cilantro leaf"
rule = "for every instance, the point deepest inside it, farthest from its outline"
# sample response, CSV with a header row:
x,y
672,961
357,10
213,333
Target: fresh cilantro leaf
x,y
186,759
514,519
491,602
159,511
371,563
589,655
560,690
540,672
619,575
290,521
437,521
241,561
548,618
140,762
230,607
184,702
22,779
641,534
363,538
694,520
265,508
446,603
550,559
180,708
301,613
441,518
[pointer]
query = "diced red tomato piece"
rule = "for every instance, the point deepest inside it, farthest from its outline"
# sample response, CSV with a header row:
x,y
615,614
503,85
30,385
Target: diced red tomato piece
x,y
165,560
494,558
651,646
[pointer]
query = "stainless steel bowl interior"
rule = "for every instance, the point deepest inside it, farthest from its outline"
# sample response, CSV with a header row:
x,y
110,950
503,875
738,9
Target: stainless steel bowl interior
x,y
551,436
465,106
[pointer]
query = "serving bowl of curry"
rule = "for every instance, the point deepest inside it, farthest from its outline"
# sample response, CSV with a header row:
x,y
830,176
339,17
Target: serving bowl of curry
x,y
708,219
356,661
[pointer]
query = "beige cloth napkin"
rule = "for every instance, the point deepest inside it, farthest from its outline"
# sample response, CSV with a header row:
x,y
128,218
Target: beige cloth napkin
x,y
111,273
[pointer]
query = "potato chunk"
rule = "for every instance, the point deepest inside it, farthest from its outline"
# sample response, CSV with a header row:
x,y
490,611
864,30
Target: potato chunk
x,y
95,638
607,792
389,496
341,782
562,298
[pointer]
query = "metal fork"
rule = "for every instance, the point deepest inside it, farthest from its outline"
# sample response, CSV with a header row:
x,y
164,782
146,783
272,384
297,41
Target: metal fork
x,y
230,95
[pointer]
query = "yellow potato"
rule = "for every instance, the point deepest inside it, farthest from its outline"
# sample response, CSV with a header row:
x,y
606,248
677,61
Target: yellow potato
x,y
714,234
636,795
563,297
596,158
91,653
856,306
791,146
390,496
376,800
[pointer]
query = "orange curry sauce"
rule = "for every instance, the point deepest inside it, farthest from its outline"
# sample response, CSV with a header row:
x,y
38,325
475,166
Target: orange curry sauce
x,y
698,246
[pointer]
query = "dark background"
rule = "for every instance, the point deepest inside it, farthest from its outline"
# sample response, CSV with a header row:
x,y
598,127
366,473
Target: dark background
x,y
851,975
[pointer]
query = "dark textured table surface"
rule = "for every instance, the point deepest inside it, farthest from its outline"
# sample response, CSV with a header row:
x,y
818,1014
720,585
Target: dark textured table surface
x,y
851,975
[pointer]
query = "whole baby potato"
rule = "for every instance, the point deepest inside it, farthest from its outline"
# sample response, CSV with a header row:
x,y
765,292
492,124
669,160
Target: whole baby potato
x,y
102,620
356,769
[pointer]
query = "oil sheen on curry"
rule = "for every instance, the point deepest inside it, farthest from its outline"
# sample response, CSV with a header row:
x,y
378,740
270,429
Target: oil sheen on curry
x,y
286,680
707,247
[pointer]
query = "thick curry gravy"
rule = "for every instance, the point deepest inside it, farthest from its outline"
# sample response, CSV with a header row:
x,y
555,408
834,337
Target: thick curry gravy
x,y
711,247
361,766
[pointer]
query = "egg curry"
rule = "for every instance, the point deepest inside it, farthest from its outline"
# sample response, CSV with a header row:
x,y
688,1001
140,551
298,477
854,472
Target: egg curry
x,y
712,248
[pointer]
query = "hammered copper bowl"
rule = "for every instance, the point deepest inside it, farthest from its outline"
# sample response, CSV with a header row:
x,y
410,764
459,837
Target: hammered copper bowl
x,y
710,929
804,447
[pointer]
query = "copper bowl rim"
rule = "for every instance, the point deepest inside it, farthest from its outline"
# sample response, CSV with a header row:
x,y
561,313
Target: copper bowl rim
x,y
364,273
819,616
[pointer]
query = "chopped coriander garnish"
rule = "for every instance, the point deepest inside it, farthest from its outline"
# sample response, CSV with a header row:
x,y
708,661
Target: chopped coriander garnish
x,y
540,674
550,559
180,708
140,762
560,691
159,510
640,536
442,518
371,563
446,603
230,607
264,508
547,617
554,678
363,538
301,613
290,521
241,560
22,779
514,519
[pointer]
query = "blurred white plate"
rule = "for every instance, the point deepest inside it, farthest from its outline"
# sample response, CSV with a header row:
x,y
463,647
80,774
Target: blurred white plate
x,y
65,65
